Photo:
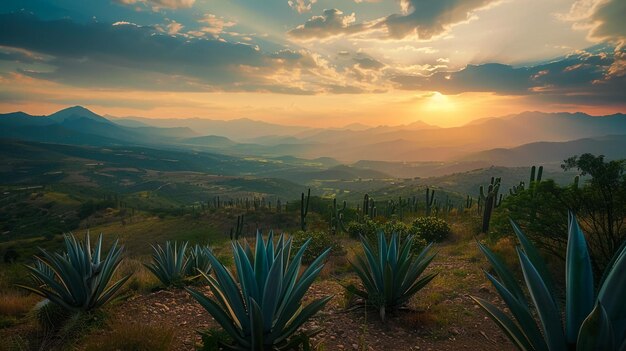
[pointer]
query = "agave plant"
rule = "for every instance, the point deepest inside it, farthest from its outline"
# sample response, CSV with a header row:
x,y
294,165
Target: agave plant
x,y
77,280
592,321
391,274
198,261
170,264
262,308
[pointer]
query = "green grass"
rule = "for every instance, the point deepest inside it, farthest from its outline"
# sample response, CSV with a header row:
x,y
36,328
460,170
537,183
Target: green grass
x,y
137,237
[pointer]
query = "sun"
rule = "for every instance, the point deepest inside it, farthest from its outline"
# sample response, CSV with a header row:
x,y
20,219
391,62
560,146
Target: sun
x,y
438,102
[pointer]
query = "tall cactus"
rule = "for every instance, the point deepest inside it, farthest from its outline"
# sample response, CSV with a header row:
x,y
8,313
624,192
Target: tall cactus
x,y
489,201
304,210
469,201
430,200
516,189
366,207
336,217
235,233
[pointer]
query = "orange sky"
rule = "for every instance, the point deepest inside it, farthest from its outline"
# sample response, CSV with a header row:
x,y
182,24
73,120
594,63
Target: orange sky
x,y
315,63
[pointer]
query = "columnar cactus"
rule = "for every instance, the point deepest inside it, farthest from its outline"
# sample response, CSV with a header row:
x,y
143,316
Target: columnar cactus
x,y
489,201
235,233
304,210
469,201
430,200
336,217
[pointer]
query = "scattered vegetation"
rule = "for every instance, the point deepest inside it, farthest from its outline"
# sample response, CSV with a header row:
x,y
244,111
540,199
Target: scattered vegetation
x,y
263,299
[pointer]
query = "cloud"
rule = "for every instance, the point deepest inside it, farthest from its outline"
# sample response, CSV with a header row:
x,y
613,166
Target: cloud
x,y
331,23
301,6
158,4
428,19
173,28
125,55
369,63
581,75
214,25
605,21
421,19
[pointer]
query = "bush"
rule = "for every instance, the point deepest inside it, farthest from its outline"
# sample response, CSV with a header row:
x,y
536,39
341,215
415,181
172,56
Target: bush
x,y
320,241
431,228
367,228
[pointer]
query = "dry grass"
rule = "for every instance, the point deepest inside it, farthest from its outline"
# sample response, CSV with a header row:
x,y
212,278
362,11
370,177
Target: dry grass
x,y
16,304
132,337
505,249
141,280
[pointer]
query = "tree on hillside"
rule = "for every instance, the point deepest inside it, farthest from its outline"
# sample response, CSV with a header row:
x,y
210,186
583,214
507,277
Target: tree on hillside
x,y
600,205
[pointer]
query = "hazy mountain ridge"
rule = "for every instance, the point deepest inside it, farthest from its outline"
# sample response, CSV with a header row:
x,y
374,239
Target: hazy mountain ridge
x,y
499,141
612,146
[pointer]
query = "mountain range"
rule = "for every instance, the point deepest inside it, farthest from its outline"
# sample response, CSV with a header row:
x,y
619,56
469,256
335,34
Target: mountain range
x,y
416,149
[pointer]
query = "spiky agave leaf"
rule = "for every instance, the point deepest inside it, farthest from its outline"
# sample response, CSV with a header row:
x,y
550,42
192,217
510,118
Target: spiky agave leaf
x,y
77,280
170,264
586,327
262,307
198,261
391,275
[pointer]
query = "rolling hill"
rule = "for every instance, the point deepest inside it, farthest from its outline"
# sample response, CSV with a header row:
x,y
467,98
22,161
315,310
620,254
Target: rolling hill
x,y
611,146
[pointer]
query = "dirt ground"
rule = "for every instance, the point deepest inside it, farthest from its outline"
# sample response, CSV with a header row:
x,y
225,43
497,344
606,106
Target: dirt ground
x,y
440,317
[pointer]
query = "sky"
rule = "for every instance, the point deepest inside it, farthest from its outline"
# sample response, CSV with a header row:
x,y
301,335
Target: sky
x,y
314,62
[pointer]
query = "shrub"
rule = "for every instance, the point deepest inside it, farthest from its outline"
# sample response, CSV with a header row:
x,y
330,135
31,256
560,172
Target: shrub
x,y
319,241
78,280
404,231
431,228
390,274
264,310
592,322
366,228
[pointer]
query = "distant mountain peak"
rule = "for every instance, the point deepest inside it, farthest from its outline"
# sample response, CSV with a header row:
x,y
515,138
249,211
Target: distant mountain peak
x,y
76,112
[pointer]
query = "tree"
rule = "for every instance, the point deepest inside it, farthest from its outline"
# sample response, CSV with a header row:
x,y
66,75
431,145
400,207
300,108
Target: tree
x,y
601,203
541,212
